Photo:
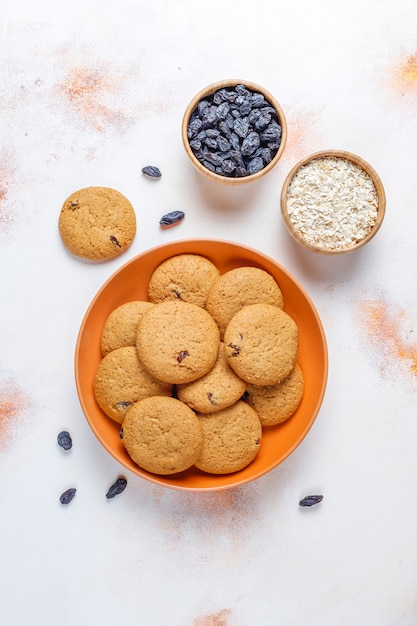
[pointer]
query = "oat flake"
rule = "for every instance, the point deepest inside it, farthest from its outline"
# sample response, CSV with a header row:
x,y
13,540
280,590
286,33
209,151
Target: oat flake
x,y
332,203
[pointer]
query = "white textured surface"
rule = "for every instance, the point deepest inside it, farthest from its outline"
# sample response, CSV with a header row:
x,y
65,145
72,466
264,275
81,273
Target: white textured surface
x,y
90,92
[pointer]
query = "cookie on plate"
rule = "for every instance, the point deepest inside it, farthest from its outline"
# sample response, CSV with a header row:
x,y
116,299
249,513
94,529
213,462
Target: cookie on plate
x,y
238,288
121,380
231,439
261,344
177,342
120,328
97,223
186,277
218,389
276,403
162,435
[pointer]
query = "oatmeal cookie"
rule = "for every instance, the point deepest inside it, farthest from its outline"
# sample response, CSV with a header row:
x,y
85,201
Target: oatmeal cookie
x,y
261,344
238,288
277,403
186,277
177,342
97,223
162,435
231,439
120,328
121,380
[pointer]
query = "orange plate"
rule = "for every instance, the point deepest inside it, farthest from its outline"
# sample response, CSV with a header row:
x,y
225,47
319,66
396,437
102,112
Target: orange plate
x,y
130,282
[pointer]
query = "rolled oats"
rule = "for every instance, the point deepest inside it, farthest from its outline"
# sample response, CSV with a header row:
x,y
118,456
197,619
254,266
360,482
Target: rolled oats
x,y
332,203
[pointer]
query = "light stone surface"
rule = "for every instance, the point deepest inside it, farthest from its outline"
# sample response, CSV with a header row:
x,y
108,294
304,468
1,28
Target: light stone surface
x,y
91,92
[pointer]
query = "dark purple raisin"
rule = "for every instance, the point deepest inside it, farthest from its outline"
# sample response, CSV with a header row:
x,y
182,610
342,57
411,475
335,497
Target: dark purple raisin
x,y
114,241
271,132
67,496
255,165
250,144
211,143
172,218
310,500
64,440
235,349
121,434
118,487
151,171
122,405
241,127
182,355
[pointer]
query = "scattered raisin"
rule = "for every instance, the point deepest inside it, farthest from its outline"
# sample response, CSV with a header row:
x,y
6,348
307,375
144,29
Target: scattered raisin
x,y
172,218
64,440
310,500
114,241
118,487
121,434
151,171
211,399
67,496
182,356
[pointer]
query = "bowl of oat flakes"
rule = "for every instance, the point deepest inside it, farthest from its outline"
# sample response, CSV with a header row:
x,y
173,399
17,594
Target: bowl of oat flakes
x,y
333,202
234,131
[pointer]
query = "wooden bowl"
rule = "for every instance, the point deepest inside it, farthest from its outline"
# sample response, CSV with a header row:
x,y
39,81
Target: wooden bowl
x,y
322,247
209,91
130,282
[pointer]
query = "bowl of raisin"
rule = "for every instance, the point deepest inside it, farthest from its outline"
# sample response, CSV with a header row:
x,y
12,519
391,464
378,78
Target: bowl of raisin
x,y
234,131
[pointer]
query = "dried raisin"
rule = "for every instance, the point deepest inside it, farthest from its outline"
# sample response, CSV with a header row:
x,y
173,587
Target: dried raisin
x,y
118,487
310,500
172,218
67,496
64,440
152,171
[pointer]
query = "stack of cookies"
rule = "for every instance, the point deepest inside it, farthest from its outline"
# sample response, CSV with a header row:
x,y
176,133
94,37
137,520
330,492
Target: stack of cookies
x,y
195,373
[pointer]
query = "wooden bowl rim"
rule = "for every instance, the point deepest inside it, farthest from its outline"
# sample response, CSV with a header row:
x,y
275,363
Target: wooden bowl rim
x,y
357,160
211,89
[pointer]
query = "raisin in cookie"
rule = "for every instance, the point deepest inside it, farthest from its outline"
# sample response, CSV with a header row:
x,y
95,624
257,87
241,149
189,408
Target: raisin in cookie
x,y
97,223
186,277
162,435
177,342
238,288
261,344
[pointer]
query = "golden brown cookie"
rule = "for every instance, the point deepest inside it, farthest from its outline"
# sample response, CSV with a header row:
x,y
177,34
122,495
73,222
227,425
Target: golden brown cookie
x,y
97,223
276,403
261,344
121,379
238,288
186,277
231,439
120,328
162,435
218,389
177,341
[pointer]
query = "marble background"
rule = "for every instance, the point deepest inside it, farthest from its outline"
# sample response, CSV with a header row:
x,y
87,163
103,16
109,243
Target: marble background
x,y
90,92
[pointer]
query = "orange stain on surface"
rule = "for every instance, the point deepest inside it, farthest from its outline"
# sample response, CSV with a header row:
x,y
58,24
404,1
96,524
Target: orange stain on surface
x,y
302,136
409,71
13,404
87,89
386,336
221,618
